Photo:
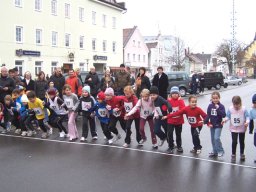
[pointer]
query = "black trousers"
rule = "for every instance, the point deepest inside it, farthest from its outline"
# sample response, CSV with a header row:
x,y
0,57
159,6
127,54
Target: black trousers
x,y
41,125
234,142
113,122
25,123
195,132
57,121
88,120
170,130
106,132
129,132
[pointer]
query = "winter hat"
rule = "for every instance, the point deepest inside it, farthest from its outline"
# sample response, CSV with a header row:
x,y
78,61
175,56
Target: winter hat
x,y
109,91
174,89
87,89
101,96
254,98
52,92
24,98
154,90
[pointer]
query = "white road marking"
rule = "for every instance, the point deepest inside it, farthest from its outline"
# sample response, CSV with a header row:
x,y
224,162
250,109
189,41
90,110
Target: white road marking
x,y
133,149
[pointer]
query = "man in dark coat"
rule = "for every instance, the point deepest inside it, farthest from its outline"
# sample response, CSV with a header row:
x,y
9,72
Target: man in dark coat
x,y
160,80
7,84
58,79
93,80
194,83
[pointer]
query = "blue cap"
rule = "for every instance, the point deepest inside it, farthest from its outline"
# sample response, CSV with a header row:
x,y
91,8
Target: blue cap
x,y
175,89
254,98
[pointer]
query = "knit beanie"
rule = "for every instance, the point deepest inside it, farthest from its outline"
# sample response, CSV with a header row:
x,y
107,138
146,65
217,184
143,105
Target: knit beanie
x,y
101,96
154,90
52,91
24,98
87,89
254,98
109,91
174,89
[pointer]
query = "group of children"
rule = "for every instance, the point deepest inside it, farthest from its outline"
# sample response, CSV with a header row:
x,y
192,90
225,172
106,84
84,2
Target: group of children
x,y
163,116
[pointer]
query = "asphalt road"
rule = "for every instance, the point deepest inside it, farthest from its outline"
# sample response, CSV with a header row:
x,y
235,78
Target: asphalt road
x,y
34,164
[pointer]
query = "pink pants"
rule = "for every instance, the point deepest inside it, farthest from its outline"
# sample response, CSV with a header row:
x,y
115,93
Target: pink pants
x,y
72,130
151,126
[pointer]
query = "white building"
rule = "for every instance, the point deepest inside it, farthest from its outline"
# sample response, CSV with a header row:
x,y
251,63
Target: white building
x,y
42,34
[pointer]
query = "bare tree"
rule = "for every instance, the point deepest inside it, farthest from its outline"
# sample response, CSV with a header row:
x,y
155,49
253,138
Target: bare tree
x,y
178,56
225,50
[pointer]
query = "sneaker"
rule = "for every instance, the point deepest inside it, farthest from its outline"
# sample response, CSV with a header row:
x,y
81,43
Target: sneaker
x,y
155,146
110,141
198,151
220,154
161,142
62,134
50,131
17,131
105,138
8,126
95,138
170,150
83,139
180,149
30,133
34,132
233,158
193,151
142,141
117,137
242,157
44,135
72,139
212,154
125,145
4,131
24,133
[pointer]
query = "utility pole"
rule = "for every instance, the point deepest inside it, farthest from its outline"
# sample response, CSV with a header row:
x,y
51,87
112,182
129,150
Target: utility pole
x,y
233,42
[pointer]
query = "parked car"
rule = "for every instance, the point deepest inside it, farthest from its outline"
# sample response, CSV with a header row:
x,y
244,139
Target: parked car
x,y
214,79
233,80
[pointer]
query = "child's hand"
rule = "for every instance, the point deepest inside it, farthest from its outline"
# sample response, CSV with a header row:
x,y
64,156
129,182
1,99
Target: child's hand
x,y
224,121
210,125
163,118
108,107
217,106
116,110
126,117
92,115
246,125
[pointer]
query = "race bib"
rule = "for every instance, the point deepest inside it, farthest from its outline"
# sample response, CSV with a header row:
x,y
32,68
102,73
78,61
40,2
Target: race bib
x,y
128,107
117,113
86,106
69,103
159,111
175,109
53,107
214,112
237,120
192,120
38,111
102,112
18,106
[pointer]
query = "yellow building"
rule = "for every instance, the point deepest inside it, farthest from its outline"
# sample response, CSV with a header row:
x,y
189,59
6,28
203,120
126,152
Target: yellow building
x,y
42,34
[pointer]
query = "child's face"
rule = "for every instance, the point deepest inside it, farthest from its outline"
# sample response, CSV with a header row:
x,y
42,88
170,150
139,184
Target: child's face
x,y
175,95
7,102
32,100
85,94
99,100
237,106
51,84
15,95
153,96
145,97
108,97
68,92
25,103
215,99
193,102
128,94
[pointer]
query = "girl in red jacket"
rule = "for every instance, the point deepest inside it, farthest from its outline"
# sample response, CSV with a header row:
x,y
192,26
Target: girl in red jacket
x,y
175,123
195,116
130,101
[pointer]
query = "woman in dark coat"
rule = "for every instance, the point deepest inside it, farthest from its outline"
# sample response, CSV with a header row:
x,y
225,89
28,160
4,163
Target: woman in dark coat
x,y
107,81
160,80
142,81
28,83
41,85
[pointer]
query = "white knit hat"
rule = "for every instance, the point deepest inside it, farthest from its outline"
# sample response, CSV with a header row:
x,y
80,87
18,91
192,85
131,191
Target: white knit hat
x,y
24,98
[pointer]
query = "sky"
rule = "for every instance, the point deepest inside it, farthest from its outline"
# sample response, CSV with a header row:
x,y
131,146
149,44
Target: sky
x,y
202,24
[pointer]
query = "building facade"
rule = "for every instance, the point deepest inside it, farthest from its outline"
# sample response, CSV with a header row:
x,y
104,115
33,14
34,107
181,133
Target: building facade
x,y
43,34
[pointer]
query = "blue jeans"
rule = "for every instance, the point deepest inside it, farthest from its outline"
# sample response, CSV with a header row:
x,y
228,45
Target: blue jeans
x,y
157,128
216,142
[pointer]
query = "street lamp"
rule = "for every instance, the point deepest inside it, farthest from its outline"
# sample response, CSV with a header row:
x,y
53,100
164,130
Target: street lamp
x,y
87,63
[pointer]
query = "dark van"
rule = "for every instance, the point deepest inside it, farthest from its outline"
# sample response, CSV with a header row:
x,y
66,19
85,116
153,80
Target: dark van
x,y
214,79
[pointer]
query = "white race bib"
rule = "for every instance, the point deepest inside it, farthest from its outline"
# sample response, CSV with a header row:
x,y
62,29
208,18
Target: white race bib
x,y
192,120
117,113
102,112
214,112
159,111
18,106
175,109
86,105
69,103
237,120
128,107
146,112
38,111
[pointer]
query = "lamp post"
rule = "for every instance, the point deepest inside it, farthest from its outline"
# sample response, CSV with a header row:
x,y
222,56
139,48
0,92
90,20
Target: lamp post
x,y
87,63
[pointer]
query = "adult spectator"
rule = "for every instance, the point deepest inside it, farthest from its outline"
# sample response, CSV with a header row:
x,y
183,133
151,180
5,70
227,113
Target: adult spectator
x,y
201,82
58,79
7,84
132,75
160,80
41,85
142,81
74,82
28,82
93,80
194,83
11,73
107,81
17,78
78,74
122,79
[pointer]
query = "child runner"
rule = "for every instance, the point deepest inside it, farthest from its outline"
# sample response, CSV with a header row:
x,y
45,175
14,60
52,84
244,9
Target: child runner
x,y
239,120
72,102
17,103
37,106
2,124
215,114
161,107
195,116
130,101
102,113
86,102
175,123
146,108
252,119
116,104
9,106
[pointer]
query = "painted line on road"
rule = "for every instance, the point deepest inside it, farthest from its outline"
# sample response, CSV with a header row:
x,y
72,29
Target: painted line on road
x,y
132,149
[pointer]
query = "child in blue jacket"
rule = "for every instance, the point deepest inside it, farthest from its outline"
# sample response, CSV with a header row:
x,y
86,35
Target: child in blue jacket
x,y
253,119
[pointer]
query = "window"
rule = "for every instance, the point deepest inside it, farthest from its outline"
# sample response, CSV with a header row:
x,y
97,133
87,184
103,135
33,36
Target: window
x,y
133,56
19,66
38,36
18,3
67,10
134,43
19,34
54,38
138,58
138,43
81,14
38,5
94,18
114,47
81,42
81,66
144,58
93,44
67,40
104,45
38,67
53,66
104,18
128,56
54,7
113,22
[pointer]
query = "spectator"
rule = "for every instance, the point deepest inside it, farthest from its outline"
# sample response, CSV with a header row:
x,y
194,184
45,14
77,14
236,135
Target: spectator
x,y
74,82
142,81
160,80
7,84
107,81
122,79
28,82
58,79
78,74
201,82
11,73
47,77
194,83
93,80
17,78
132,75
41,85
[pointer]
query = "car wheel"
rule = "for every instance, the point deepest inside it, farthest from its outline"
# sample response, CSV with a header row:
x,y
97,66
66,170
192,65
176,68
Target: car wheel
x,y
218,86
225,85
209,88
182,92
239,83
